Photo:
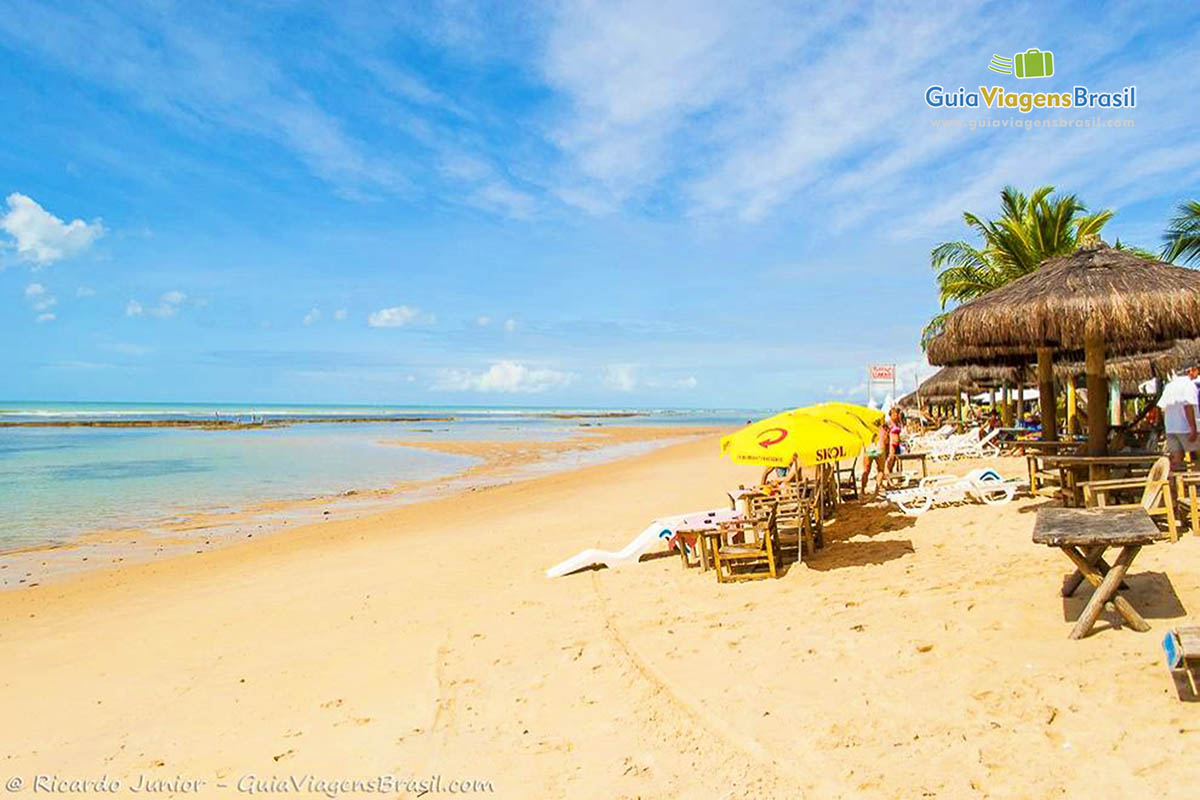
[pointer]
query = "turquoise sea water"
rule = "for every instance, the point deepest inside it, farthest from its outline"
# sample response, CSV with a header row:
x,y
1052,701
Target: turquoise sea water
x,y
58,482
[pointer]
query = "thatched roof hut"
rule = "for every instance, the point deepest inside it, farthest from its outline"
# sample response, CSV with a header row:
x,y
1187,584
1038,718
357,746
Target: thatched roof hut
x,y
1096,299
1123,298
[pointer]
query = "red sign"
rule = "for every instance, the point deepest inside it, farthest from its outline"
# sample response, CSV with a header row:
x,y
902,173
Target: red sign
x,y
883,372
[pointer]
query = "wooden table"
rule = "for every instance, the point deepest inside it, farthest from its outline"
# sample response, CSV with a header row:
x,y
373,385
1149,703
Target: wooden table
x,y
1083,534
1071,468
902,457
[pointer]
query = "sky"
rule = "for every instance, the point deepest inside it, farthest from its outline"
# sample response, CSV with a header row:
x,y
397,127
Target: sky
x,y
619,204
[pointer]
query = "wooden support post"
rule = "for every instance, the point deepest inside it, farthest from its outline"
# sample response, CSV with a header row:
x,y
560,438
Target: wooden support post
x,y
1049,403
1072,421
1094,351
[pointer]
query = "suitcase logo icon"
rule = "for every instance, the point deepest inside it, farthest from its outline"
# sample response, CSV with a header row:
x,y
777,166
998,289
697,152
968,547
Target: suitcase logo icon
x,y
1033,63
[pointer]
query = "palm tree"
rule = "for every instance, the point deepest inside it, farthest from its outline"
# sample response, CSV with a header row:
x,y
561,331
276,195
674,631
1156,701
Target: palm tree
x,y
1182,239
1030,229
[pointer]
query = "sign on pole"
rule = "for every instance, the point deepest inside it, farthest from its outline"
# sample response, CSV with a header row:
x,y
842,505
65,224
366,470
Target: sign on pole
x,y
884,374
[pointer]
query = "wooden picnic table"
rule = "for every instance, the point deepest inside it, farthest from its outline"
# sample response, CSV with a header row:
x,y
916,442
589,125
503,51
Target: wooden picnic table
x,y
1072,468
1084,534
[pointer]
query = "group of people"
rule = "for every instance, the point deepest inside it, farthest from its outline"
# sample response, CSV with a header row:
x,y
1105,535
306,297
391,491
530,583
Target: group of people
x,y
884,450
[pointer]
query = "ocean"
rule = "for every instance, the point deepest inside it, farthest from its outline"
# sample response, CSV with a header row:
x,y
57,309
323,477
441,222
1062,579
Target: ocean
x,y
57,482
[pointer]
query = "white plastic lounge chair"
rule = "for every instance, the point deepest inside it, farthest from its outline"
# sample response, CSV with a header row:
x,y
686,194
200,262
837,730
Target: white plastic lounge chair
x,y
983,485
967,445
661,530
925,441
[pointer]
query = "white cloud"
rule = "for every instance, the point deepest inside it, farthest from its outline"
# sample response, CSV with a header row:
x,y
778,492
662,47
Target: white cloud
x,y
42,237
689,382
340,314
312,316
399,317
47,317
133,309
510,325
483,321
168,304
39,298
501,198
85,291
622,377
508,377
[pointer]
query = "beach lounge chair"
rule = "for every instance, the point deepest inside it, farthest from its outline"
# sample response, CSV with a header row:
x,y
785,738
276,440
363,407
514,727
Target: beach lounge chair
x,y
660,531
967,445
742,545
982,485
1157,498
926,441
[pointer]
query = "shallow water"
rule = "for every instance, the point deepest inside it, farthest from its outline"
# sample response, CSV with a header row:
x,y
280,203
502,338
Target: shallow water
x,y
56,483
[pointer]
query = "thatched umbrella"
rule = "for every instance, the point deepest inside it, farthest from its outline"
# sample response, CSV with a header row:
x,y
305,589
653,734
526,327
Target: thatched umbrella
x,y
1096,299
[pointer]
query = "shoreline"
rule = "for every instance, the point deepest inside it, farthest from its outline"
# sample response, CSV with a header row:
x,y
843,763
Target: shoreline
x,y
197,531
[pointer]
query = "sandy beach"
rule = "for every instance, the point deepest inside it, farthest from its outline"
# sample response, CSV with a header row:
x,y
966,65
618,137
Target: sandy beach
x,y
910,658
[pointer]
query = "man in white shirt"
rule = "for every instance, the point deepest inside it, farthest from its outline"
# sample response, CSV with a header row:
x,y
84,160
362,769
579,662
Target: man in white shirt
x,y
1180,403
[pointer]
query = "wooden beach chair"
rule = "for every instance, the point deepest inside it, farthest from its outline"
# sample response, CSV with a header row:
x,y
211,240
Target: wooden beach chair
x,y
847,479
739,548
1157,498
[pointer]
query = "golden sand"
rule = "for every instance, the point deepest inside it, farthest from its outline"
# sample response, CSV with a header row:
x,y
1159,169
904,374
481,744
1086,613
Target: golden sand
x,y
911,657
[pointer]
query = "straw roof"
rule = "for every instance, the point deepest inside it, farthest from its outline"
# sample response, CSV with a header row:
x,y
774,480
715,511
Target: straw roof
x,y
1141,366
943,350
1134,302
946,382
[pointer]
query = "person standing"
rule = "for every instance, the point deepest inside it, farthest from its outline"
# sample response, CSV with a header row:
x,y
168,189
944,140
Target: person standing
x,y
1180,403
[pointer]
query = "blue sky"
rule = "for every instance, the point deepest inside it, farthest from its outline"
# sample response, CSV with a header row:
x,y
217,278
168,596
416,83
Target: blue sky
x,y
622,204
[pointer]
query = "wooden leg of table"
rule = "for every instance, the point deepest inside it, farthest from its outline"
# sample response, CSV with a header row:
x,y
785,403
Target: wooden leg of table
x,y
1192,505
1106,590
1092,556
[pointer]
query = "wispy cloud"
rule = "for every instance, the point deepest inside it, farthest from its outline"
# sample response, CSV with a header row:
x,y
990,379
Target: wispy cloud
x,y
399,317
168,305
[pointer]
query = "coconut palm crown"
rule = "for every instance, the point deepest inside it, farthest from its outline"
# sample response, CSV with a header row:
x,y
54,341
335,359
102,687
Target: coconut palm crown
x,y
1029,230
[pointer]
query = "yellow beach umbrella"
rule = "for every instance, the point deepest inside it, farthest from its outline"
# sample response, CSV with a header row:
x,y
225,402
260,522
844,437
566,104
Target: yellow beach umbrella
x,y
775,440
866,426
870,416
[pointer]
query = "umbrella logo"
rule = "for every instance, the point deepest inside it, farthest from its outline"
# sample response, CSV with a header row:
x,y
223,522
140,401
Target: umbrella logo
x,y
771,436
